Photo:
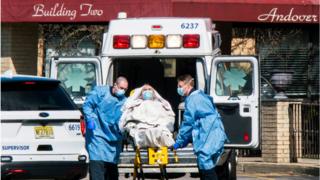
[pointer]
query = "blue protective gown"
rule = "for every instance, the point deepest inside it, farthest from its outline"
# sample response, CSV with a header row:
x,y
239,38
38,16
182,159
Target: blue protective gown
x,y
103,142
202,125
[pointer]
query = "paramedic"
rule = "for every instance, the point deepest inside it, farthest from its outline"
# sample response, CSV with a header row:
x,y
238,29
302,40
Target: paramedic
x,y
102,111
202,126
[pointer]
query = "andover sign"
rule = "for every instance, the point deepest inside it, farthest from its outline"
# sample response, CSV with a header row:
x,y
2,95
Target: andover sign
x,y
60,10
274,16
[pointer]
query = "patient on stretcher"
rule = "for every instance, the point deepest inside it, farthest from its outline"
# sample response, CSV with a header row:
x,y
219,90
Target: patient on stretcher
x,y
148,118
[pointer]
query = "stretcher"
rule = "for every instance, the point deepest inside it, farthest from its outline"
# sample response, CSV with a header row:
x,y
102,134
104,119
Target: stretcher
x,y
156,156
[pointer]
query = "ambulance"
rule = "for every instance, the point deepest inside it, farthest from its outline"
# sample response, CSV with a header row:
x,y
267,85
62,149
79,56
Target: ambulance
x,y
156,51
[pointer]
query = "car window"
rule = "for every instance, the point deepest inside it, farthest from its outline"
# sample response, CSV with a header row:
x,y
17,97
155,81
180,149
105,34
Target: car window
x,y
234,78
34,96
77,78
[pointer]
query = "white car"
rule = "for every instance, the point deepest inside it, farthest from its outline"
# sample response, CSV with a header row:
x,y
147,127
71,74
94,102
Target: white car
x,y
42,130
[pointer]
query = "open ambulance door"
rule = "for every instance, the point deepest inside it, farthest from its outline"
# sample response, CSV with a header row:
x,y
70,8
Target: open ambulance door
x,y
201,75
78,75
234,86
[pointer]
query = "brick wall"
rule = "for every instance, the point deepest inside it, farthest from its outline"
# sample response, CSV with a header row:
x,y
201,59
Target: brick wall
x,y
19,51
275,132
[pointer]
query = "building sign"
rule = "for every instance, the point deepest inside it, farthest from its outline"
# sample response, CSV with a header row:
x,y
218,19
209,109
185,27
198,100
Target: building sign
x,y
291,17
271,11
60,10
80,10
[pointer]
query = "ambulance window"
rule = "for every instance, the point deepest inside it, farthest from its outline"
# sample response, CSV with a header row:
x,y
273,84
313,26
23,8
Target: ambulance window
x,y
77,78
234,79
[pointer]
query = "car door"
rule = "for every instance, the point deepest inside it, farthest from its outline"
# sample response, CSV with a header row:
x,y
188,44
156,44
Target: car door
x,y
78,75
234,86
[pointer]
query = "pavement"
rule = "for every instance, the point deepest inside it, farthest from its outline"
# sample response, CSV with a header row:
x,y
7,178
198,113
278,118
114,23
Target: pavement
x,y
256,169
256,165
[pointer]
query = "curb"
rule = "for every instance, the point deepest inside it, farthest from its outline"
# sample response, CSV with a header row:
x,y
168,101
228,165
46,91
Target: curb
x,y
262,167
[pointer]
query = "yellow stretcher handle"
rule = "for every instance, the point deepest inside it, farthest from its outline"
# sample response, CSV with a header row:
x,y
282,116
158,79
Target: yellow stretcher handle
x,y
176,159
138,157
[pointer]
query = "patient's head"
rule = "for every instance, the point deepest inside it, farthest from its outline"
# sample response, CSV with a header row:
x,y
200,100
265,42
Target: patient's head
x,y
147,92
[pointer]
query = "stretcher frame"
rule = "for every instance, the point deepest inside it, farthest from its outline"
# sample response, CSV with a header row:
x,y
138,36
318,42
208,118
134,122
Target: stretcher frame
x,y
155,156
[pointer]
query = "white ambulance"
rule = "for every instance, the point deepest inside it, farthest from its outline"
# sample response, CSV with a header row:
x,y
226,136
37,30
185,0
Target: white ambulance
x,y
156,51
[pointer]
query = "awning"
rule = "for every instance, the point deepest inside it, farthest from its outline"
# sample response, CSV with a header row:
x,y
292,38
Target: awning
x,y
271,11
80,10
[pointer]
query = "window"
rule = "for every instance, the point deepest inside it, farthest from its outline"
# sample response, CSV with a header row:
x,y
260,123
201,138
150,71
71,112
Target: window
x,y
77,78
39,96
234,79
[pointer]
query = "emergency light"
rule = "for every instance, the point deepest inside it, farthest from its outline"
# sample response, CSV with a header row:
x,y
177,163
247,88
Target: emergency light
x,y
173,41
156,41
121,41
191,40
139,41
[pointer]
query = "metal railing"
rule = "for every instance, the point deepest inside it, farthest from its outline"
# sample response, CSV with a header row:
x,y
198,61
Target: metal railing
x,y
304,130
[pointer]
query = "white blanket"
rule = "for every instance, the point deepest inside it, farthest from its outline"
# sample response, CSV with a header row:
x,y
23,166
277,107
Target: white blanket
x,y
148,122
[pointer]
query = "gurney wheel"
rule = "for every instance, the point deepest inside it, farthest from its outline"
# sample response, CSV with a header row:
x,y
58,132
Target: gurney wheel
x,y
127,175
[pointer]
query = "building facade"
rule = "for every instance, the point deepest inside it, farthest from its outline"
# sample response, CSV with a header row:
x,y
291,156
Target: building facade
x,y
284,35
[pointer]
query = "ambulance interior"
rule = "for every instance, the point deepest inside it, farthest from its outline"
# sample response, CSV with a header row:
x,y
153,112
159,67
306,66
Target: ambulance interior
x,y
160,73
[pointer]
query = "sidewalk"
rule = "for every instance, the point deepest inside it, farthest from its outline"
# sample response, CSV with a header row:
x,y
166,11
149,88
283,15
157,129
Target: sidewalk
x,y
256,165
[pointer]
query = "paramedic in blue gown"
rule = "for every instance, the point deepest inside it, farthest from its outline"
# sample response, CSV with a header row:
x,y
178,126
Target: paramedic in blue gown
x,y
202,126
102,110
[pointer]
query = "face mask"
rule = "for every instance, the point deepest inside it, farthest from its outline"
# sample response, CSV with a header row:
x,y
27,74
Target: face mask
x,y
147,95
120,93
180,91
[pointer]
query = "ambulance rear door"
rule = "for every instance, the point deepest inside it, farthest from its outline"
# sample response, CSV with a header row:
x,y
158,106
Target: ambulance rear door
x,y
234,86
78,75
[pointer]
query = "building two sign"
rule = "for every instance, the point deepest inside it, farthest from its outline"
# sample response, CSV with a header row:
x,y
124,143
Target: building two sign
x,y
60,10
80,10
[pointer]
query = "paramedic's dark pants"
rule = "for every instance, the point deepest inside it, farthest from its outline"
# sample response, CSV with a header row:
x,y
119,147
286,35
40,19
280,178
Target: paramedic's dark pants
x,y
208,174
100,170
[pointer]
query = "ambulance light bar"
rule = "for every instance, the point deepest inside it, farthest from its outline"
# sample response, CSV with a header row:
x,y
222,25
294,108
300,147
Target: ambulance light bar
x,y
156,41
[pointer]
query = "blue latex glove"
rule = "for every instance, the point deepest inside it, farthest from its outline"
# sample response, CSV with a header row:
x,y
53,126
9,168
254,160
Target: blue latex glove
x,y
91,125
176,146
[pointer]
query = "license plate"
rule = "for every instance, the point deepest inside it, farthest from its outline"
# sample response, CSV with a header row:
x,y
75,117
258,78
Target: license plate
x,y
44,132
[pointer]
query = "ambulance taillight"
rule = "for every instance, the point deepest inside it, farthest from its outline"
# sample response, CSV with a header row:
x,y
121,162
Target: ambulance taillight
x,y
191,40
82,125
121,42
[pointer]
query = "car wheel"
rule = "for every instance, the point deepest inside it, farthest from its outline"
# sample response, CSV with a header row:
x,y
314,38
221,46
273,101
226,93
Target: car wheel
x,y
228,171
